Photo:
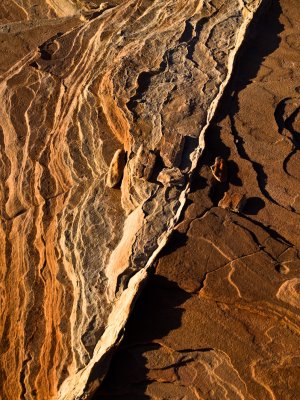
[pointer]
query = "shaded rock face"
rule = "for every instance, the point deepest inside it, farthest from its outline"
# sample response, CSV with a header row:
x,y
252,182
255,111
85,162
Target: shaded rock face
x,y
219,318
78,81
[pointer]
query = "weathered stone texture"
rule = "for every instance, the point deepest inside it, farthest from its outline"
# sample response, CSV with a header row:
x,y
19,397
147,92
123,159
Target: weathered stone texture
x,y
78,81
219,318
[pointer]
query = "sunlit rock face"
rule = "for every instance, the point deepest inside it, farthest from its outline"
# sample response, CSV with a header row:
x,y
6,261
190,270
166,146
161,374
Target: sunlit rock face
x,y
81,82
219,316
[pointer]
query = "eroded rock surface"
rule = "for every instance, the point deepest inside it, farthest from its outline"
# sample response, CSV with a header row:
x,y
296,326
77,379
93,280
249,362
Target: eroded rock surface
x,y
80,80
116,168
219,318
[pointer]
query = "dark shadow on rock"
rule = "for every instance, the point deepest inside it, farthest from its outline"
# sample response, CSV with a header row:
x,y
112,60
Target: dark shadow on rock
x,y
156,313
158,166
288,124
253,206
262,40
217,191
190,145
214,146
176,240
233,173
198,182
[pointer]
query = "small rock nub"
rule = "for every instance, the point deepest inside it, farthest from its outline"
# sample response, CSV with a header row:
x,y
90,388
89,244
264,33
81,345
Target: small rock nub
x,y
219,170
116,168
144,164
233,201
171,177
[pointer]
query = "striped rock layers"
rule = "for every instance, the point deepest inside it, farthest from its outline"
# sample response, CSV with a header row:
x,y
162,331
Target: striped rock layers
x,y
80,81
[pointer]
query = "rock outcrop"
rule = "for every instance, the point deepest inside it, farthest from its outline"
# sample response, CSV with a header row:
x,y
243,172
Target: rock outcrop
x,y
79,81
116,168
220,170
234,201
219,318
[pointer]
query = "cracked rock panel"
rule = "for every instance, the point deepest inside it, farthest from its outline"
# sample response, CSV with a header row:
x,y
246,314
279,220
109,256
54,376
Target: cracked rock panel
x,y
128,130
219,316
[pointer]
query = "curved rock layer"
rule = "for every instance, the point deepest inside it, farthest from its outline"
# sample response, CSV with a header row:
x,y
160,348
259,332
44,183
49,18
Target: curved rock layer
x,y
219,319
93,93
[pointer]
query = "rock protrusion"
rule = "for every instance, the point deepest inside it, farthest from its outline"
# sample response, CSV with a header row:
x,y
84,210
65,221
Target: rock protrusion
x,y
144,164
171,177
220,170
233,201
116,168
172,149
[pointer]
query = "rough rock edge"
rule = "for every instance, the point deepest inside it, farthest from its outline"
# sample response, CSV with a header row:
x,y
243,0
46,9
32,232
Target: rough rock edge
x,y
77,387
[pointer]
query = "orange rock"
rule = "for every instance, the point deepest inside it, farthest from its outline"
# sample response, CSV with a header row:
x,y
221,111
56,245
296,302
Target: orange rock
x,y
233,201
116,168
219,170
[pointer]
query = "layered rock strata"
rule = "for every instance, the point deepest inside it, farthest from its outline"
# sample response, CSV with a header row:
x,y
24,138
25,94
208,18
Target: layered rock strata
x,y
81,81
219,319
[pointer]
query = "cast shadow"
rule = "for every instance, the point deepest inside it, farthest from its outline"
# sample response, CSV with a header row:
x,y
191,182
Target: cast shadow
x,y
253,206
156,313
261,40
176,240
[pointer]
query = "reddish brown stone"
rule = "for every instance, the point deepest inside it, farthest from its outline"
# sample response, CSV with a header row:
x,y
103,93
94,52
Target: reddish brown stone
x,y
224,298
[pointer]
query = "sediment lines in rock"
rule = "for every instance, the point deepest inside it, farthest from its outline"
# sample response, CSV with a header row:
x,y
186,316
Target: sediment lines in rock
x,y
77,85
219,318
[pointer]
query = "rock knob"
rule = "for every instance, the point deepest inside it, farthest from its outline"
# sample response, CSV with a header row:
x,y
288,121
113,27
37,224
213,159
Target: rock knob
x,y
116,168
233,201
219,170
171,177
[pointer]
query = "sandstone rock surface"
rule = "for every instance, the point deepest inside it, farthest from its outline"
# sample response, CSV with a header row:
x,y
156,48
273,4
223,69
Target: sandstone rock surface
x,y
234,201
219,318
80,80
116,168
219,169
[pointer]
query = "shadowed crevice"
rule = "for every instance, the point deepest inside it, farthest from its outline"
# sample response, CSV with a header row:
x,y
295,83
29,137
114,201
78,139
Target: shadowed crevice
x,y
156,313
